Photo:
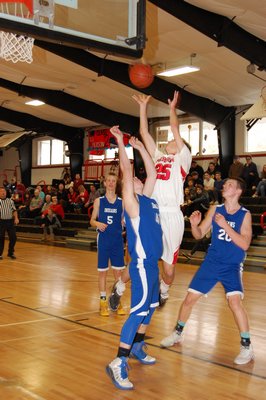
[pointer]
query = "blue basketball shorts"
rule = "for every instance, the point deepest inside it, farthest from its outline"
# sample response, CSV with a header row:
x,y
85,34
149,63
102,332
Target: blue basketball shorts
x,y
144,287
110,248
210,273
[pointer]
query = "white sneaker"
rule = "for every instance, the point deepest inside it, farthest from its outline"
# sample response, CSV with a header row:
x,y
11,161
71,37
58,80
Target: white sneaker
x,y
117,370
172,339
245,356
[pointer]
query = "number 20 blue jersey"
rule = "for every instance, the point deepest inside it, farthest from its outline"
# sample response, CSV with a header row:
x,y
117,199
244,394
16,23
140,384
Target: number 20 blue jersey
x,y
222,249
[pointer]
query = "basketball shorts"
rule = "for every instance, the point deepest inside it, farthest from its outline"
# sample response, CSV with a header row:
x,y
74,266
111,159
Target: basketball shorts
x,y
172,224
110,248
144,287
210,273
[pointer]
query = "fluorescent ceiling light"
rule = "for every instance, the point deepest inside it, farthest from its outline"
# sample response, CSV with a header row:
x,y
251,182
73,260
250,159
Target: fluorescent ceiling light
x,y
185,69
35,103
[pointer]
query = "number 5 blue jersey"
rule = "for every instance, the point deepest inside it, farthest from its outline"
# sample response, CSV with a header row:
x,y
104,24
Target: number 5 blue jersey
x,y
222,249
111,214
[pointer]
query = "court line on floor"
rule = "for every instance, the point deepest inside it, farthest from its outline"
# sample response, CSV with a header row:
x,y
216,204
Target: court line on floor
x,y
8,383
150,344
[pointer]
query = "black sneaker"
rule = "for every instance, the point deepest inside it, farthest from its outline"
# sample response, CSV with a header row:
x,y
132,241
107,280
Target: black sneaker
x,y
12,256
163,299
114,298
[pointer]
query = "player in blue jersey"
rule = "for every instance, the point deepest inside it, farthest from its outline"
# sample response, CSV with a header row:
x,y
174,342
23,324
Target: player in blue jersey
x,y
172,168
107,217
231,237
145,247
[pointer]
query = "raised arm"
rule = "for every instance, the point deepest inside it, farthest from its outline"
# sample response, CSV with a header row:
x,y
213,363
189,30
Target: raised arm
x,y
149,166
174,120
143,101
200,228
130,201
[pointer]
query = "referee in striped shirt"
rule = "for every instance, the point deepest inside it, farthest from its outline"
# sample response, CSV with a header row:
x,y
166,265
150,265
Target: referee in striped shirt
x,y
8,220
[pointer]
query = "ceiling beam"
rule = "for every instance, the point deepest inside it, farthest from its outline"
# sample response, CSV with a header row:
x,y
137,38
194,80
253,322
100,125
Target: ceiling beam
x,y
160,89
38,125
75,105
218,28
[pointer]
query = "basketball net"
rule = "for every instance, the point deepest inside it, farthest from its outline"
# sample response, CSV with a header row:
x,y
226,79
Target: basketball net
x,y
15,47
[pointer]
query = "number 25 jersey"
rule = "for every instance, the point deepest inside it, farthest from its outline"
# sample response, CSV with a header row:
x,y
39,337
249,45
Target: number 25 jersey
x,y
171,173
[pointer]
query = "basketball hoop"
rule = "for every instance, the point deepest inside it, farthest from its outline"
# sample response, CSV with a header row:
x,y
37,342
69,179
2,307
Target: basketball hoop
x,y
16,47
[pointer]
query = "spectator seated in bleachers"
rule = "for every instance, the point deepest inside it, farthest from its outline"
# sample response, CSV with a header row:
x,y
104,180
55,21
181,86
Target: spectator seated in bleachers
x,y
261,187
187,200
93,194
62,195
197,180
13,185
18,194
192,188
51,190
250,174
68,183
81,199
200,203
56,208
77,182
71,199
236,168
198,168
211,169
35,205
24,207
41,191
49,223
209,186
218,186
217,166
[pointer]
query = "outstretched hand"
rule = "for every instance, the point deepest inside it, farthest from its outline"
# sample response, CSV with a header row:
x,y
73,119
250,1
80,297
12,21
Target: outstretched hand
x,y
195,218
116,132
141,99
174,103
136,143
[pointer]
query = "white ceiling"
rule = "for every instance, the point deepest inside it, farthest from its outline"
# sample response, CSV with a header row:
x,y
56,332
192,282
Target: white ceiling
x,y
222,77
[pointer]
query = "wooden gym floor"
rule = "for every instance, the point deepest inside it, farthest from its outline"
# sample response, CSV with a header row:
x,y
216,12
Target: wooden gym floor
x,y
55,346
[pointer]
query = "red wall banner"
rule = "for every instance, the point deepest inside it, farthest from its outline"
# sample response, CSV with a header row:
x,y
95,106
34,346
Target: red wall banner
x,y
102,139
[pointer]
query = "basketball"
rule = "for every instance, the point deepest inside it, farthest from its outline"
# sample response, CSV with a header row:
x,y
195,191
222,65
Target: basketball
x,y
141,75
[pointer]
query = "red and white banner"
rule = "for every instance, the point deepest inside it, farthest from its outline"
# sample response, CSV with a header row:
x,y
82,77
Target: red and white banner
x,y
102,139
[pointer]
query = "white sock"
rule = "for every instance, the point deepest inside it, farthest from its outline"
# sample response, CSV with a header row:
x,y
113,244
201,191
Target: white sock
x,y
120,287
102,294
164,287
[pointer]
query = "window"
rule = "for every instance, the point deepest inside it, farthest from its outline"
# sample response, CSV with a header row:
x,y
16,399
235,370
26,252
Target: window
x,y
190,132
256,137
51,152
209,139
199,134
111,153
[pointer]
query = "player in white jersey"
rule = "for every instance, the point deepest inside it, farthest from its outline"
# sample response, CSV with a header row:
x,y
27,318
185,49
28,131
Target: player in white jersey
x,y
172,168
